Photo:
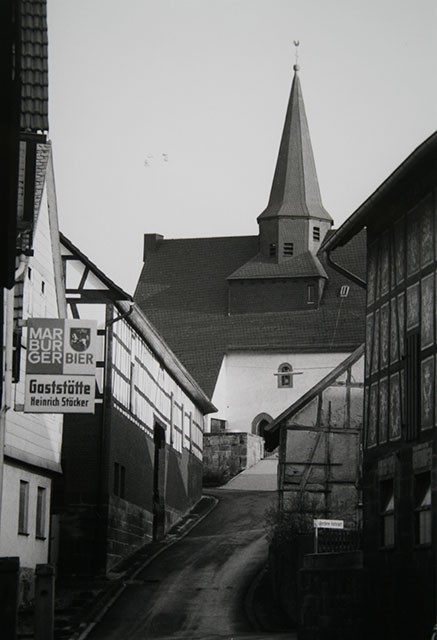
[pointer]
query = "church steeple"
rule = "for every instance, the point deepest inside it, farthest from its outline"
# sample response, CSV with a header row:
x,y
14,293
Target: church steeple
x,y
295,220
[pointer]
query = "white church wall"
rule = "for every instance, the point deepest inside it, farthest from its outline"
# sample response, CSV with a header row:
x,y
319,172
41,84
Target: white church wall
x,y
248,384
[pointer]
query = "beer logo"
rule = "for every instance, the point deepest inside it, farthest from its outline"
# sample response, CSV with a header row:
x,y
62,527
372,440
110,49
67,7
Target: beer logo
x,y
80,338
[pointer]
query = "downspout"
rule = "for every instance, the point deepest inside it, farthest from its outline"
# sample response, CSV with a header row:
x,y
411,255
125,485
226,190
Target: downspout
x,y
105,434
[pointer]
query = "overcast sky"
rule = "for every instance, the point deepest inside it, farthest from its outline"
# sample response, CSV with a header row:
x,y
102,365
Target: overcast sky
x,y
166,115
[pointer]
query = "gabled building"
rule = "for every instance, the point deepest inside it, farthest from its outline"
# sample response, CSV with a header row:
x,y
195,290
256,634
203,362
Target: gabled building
x,y
399,457
133,468
319,439
31,274
258,320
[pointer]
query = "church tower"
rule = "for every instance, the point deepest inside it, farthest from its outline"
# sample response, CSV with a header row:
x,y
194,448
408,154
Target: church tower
x,y
286,274
294,221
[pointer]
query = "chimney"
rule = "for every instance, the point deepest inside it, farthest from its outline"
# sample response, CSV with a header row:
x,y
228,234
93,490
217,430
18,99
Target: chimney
x,y
151,243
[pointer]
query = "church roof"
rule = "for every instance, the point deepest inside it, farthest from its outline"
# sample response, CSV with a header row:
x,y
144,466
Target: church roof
x,y
183,290
295,190
305,265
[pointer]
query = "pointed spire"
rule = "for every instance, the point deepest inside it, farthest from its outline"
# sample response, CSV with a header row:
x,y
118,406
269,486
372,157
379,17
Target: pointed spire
x,y
295,190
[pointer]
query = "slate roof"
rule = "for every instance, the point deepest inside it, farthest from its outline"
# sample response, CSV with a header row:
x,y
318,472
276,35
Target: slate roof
x,y
183,290
301,266
34,66
295,188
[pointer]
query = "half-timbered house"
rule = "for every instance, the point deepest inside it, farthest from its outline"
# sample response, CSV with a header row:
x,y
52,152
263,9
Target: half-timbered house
x,y
319,439
399,468
134,467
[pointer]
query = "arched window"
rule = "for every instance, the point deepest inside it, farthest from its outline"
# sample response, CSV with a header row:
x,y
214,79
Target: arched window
x,y
285,377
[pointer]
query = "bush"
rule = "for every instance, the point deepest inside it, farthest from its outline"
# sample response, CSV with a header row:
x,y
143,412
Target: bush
x,y
295,519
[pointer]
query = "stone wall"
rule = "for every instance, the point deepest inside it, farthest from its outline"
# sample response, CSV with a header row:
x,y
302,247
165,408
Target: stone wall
x,y
226,454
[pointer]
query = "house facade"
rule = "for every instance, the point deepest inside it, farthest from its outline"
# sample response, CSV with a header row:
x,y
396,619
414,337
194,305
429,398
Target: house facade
x,y
134,467
319,441
399,470
31,286
258,320
31,441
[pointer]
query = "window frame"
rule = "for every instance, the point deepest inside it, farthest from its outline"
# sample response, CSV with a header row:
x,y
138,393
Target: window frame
x,y
23,508
285,376
422,492
387,513
40,516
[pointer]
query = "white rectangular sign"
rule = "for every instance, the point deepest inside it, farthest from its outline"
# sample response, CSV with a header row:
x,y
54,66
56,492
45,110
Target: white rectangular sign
x,y
60,366
329,524
59,394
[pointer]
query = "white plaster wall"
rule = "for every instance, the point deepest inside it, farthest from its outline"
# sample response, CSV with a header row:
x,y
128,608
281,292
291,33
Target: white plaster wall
x,y
247,385
36,438
153,390
31,550
219,397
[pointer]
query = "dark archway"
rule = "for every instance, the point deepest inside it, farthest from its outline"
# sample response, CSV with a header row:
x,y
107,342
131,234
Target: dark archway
x,y
259,423
159,482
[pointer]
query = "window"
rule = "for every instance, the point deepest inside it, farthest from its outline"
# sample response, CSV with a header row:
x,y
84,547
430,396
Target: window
x,y
43,287
29,273
316,234
285,376
344,291
311,294
422,508
23,508
288,248
272,249
40,529
119,480
387,518
218,425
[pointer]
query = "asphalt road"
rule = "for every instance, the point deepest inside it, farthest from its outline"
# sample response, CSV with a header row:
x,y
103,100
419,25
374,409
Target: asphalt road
x,y
197,588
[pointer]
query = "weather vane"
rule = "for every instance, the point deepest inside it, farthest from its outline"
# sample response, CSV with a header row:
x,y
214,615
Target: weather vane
x,y
296,44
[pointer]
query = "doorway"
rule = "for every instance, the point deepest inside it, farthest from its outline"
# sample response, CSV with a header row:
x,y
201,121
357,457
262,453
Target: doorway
x,y
158,482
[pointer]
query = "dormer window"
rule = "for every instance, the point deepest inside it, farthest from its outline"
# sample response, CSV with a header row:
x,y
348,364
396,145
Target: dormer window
x,y
272,249
288,248
316,234
344,291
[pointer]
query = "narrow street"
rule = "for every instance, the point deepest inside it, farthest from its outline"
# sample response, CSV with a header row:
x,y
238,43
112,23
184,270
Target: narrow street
x,y
198,587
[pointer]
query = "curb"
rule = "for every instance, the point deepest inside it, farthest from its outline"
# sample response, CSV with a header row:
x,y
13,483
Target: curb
x,y
104,604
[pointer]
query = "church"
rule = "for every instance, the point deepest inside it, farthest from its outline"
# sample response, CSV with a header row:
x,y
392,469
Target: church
x,y
259,320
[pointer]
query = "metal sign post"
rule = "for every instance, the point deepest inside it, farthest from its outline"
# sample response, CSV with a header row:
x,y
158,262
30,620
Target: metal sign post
x,y
324,524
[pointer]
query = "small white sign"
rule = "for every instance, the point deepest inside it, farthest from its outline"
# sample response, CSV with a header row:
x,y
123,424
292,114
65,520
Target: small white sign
x,y
59,394
329,524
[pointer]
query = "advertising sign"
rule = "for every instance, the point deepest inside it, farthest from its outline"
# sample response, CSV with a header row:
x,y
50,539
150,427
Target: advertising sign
x,y
60,366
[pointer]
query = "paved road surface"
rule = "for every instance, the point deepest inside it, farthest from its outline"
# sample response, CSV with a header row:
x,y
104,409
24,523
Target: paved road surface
x,y
197,587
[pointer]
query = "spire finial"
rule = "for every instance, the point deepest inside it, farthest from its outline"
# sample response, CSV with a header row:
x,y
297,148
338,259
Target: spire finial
x,y
296,44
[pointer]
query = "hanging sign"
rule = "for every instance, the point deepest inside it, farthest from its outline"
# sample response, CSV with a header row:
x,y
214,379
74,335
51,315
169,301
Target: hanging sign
x,y
60,366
